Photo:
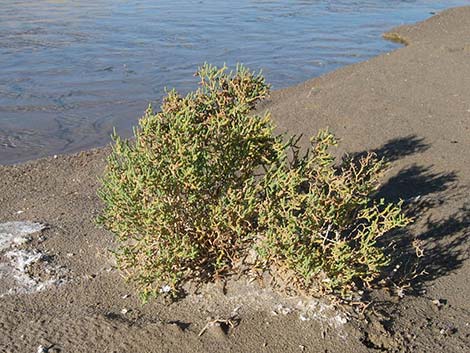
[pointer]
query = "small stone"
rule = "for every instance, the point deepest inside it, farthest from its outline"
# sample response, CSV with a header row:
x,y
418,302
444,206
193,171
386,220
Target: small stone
x,y
42,349
439,303
124,311
165,289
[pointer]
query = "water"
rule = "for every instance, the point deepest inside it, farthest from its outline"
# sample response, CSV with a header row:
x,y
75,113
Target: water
x,y
71,70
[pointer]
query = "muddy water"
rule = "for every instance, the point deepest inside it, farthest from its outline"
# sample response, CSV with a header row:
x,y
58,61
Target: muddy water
x,y
70,71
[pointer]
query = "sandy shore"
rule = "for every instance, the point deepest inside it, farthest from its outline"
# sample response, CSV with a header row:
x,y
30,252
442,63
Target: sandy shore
x,y
411,106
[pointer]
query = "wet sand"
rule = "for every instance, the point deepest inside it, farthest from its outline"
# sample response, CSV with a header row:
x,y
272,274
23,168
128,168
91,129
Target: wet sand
x,y
411,106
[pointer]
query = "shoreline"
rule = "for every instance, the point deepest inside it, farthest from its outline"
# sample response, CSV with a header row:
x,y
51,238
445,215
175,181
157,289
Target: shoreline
x,y
411,106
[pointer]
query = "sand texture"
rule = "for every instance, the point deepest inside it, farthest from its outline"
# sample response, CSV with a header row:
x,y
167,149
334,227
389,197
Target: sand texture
x,y
411,106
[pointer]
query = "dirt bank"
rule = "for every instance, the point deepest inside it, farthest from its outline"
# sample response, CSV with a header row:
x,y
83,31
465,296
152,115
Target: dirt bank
x,y
411,106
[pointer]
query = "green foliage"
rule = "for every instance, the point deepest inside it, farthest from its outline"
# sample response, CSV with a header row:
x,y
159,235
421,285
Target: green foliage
x,y
317,220
205,181
181,197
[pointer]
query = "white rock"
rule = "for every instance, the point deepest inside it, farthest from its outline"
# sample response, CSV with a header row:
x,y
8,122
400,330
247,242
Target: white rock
x,y
42,349
165,289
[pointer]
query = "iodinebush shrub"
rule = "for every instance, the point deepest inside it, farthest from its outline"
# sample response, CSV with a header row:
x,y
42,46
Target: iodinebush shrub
x,y
318,221
206,181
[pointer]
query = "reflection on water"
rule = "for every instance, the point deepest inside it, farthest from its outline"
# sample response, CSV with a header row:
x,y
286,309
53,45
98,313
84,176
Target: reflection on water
x,y
71,70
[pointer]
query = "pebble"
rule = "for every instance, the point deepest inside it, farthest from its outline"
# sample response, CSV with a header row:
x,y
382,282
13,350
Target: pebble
x,y
42,349
439,303
165,289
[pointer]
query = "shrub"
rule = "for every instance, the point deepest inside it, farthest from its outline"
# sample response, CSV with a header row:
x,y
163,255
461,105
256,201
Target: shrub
x,y
205,181
181,197
317,220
